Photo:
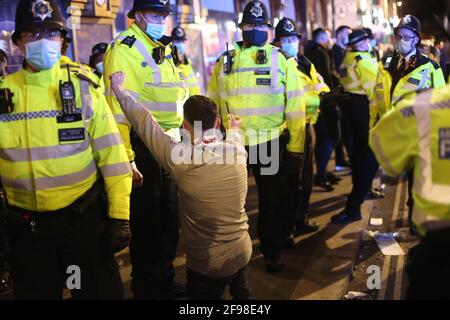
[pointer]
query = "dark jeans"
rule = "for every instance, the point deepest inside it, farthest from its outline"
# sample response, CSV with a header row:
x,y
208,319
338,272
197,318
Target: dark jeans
x,y
154,227
327,134
271,191
410,202
299,178
428,267
363,162
201,287
40,258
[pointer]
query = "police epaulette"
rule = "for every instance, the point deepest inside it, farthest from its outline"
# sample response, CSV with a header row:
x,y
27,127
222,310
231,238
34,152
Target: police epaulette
x,y
435,64
284,53
129,41
358,58
87,79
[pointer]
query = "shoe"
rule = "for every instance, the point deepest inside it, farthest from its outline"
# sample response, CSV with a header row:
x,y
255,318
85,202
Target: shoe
x,y
274,264
324,185
306,227
287,242
346,217
375,194
333,179
174,291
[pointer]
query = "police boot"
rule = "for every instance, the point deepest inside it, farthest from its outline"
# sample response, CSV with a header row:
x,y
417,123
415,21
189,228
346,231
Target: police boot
x,y
346,216
324,184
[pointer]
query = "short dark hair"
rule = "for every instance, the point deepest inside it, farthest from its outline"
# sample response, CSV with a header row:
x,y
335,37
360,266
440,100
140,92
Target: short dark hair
x,y
201,108
342,28
317,32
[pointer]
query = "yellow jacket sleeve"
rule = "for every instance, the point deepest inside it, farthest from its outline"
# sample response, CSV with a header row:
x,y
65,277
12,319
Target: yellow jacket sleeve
x,y
214,93
295,107
394,139
438,78
111,157
366,71
116,60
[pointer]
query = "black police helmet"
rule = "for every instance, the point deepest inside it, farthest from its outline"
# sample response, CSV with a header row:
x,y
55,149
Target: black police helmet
x,y
410,22
357,36
38,15
286,28
162,6
255,12
99,48
178,34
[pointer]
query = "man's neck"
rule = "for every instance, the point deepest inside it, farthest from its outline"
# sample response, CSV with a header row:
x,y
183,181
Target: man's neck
x,y
409,55
28,66
341,45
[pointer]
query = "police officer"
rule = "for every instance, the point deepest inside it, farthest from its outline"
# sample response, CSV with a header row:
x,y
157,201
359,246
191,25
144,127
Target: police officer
x,y
417,135
179,41
406,71
316,92
96,60
259,83
358,74
153,78
57,136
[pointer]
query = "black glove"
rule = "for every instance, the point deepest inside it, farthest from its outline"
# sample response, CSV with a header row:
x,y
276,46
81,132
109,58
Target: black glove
x,y
118,234
334,96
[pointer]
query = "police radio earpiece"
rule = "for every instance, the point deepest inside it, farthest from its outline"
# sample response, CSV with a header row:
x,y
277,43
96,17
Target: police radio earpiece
x,y
227,62
67,93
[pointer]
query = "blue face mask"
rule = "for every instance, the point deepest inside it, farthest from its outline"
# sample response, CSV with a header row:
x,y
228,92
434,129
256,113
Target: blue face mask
x,y
291,49
99,67
154,31
43,54
255,37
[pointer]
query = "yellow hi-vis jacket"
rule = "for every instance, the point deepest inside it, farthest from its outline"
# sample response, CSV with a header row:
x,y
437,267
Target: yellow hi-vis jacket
x,y
358,73
47,163
267,96
313,86
416,133
190,77
423,73
159,87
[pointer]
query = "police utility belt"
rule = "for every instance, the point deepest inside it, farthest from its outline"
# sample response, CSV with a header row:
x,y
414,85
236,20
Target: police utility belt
x,y
16,215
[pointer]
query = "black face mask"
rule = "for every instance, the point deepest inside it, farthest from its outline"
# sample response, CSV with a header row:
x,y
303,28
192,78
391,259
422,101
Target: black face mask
x,y
255,37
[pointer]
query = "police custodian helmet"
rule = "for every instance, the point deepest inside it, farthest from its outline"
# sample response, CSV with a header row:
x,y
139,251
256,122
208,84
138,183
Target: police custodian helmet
x,y
38,15
410,22
255,12
286,28
155,5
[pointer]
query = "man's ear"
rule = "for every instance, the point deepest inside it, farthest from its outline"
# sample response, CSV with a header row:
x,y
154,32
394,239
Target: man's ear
x,y
218,122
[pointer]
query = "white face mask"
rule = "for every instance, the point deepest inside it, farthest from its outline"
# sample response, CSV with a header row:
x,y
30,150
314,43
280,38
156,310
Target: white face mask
x,y
405,47
43,54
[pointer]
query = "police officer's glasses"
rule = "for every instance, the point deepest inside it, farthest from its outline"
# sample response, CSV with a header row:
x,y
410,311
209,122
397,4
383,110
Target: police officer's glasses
x,y
289,40
38,35
259,27
155,19
399,37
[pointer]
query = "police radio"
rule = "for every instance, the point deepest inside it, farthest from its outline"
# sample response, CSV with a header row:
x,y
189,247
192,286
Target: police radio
x,y
177,60
261,57
6,102
67,94
227,62
159,55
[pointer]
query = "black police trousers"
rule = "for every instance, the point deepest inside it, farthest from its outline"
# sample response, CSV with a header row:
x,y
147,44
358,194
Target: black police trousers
x,y
271,190
299,179
201,287
154,227
428,267
363,162
64,249
327,136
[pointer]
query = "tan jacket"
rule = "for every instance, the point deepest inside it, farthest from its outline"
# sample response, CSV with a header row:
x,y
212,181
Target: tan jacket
x,y
212,195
